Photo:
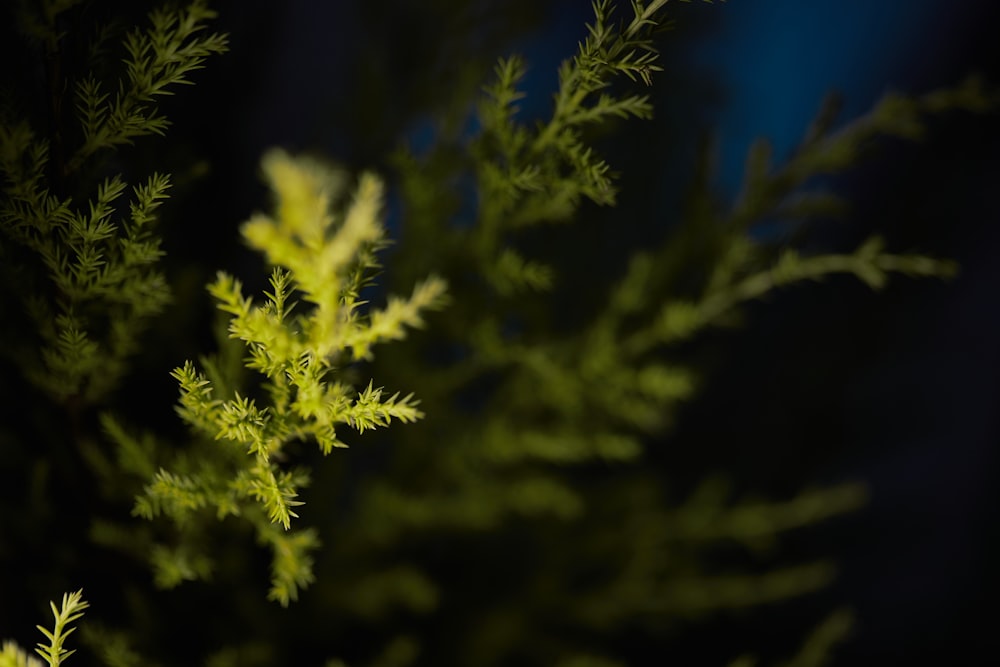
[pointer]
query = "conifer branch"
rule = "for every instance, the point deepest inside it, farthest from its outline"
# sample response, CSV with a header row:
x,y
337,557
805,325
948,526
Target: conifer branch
x,y
740,273
322,246
98,254
159,58
823,152
528,176
291,565
679,320
72,608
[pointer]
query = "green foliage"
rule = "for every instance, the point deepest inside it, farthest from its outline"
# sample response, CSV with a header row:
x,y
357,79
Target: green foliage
x,y
547,392
555,451
531,176
323,256
11,655
114,648
159,58
94,264
91,279
71,609
592,393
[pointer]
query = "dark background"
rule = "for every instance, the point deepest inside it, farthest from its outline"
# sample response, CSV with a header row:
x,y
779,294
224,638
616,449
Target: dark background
x,y
901,386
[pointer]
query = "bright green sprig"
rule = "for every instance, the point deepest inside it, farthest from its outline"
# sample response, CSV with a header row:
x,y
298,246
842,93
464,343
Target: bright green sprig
x,y
328,262
312,320
196,407
176,495
73,606
371,410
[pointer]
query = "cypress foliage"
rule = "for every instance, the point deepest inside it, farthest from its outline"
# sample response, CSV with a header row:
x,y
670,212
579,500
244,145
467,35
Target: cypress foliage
x,y
517,515
91,254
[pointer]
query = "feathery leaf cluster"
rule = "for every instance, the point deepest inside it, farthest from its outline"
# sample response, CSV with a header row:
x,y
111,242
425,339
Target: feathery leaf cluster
x,y
89,274
311,323
527,175
71,609
102,266
159,58
538,175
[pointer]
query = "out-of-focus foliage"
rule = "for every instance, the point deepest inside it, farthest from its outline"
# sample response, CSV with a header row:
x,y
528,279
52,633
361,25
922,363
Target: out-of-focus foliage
x,y
550,410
